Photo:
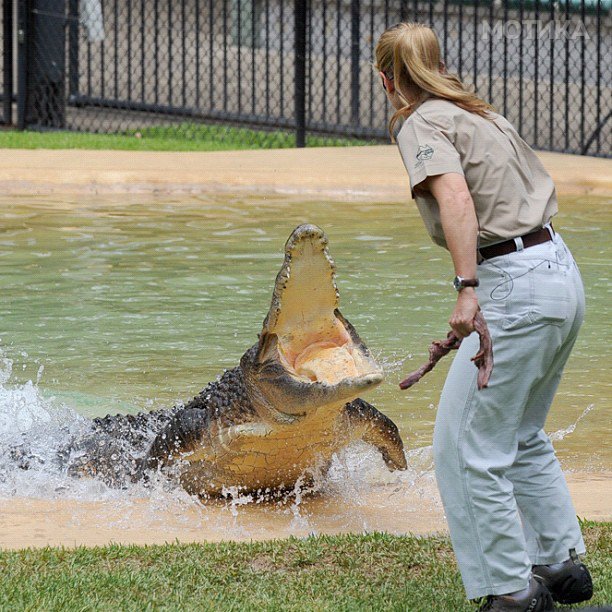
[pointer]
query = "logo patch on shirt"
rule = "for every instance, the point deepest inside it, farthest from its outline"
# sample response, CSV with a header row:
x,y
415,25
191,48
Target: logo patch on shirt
x,y
424,153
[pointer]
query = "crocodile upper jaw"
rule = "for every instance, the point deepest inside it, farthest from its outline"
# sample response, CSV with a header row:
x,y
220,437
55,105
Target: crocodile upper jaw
x,y
308,354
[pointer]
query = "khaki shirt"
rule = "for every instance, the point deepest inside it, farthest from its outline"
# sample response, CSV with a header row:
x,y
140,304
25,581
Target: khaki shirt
x,y
513,193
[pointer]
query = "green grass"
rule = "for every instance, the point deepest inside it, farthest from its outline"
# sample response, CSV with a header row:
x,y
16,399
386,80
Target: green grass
x,y
348,572
177,137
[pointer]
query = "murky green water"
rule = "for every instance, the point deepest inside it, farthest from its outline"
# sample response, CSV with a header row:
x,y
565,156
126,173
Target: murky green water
x,y
131,303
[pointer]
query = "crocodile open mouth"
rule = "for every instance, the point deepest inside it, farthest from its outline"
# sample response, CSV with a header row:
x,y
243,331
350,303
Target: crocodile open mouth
x,y
313,341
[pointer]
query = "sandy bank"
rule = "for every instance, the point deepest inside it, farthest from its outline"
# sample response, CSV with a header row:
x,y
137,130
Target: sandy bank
x,y
40,522
336,173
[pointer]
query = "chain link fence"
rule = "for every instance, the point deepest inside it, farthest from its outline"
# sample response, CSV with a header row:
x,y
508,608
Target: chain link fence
x,y
275,73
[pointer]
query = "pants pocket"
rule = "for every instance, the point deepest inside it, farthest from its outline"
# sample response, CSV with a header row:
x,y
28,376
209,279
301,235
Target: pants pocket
x,y
541,297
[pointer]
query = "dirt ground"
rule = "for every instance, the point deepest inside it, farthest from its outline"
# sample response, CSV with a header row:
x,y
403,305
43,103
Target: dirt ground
x,y
30,522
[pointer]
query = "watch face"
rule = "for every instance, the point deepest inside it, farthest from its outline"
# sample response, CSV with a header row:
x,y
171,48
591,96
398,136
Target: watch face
x,y
457,283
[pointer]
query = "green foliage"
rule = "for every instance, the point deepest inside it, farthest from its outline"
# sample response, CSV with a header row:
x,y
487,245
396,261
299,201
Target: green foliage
x,y
349,572
172,137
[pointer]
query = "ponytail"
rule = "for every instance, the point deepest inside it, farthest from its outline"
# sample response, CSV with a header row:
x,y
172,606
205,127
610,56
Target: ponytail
x,y
411,53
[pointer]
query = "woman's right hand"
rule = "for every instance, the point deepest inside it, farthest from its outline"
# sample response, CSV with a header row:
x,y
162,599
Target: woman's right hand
x,y
462,319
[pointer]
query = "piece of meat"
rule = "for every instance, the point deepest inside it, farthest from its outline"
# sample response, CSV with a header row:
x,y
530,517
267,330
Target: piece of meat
x,y
483,359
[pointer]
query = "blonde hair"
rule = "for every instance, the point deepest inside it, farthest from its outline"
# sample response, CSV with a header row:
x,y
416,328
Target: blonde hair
x,y
409,54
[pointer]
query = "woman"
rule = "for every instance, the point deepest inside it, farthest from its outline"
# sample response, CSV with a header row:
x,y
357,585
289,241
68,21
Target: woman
x,y
484,195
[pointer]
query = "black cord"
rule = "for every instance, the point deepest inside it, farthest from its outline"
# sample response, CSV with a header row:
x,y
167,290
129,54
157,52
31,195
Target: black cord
x,y
510,279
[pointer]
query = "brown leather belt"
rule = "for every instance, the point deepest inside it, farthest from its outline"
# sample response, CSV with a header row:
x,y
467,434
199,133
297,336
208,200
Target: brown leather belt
x,y
509,246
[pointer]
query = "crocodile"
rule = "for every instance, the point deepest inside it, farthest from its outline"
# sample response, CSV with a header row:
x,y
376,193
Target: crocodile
x,y
276,419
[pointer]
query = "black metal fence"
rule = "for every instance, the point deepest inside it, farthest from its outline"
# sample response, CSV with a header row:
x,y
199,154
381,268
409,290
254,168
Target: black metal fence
x,y
285,72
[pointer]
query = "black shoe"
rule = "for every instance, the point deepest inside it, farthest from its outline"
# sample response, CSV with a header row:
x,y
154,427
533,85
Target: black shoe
x,y
537,600
569,584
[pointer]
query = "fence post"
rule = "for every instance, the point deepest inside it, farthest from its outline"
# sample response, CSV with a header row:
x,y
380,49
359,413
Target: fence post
x,y
7,54
23,51
73,49
300,72
355,54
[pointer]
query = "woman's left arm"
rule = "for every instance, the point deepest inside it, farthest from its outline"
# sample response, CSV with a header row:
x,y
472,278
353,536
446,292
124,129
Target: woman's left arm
x,y
460,226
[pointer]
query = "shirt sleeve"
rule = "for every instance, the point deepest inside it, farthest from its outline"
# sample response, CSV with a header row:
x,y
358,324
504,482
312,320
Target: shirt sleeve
x,y
426,150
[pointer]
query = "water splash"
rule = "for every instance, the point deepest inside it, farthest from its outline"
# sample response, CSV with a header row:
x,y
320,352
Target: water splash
x,y
392,362
562,433
34,429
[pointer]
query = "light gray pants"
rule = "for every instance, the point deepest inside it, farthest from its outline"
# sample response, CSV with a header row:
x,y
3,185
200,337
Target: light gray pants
x,y
503,491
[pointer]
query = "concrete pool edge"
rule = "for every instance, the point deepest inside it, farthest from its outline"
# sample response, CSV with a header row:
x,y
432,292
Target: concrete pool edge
x,y
373,173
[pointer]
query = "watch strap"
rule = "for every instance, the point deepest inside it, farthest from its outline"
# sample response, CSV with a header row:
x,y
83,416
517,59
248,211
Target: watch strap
x,y
460,283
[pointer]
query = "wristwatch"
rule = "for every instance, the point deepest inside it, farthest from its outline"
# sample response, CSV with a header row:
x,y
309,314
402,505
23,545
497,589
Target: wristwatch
x,y
459,282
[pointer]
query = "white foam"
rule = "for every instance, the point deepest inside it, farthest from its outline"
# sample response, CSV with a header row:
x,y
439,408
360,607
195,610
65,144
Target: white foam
x,y
562,433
